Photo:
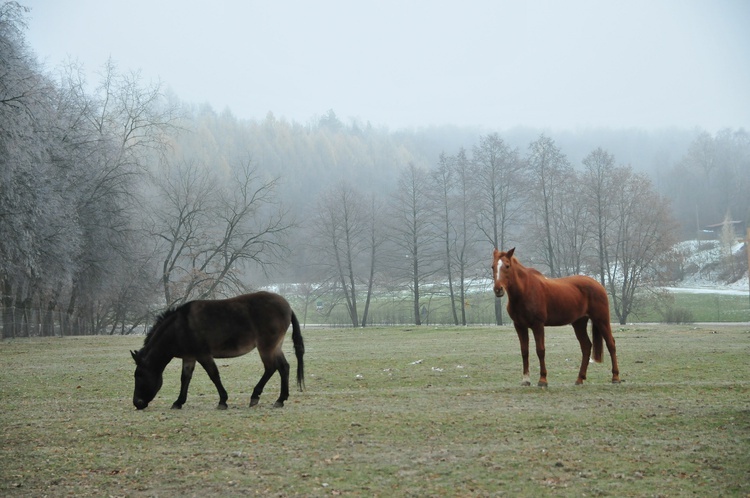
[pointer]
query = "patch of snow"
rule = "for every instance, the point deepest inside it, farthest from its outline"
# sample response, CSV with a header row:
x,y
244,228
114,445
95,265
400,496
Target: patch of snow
x,y
707,290
701,254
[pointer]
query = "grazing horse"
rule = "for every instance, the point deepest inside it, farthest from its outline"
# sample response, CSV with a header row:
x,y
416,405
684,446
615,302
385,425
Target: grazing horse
x,y
535,301
203,330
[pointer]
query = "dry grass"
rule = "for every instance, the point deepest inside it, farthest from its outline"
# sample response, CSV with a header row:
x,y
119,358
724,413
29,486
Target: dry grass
x,y
387,412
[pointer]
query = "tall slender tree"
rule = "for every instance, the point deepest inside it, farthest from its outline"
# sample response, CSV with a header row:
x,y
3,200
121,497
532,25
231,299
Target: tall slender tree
x,y
412,234
599,186
500,189
548,167
340,232
442,188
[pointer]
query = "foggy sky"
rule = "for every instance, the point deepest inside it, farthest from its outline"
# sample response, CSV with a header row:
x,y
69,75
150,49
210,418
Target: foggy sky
x,y
400,63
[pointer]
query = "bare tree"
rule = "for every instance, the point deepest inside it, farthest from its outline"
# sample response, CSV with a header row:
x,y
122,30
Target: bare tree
x,y
642,233
211,229
467,237
572,229
548,168
375,239
107,139
442,191
411,232
252,228
499,187
341,232
599,185
180,220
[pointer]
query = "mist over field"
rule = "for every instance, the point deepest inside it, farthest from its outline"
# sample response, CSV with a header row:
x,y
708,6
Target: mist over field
x,y
309,145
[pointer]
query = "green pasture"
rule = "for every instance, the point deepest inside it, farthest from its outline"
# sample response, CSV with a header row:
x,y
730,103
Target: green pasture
x,y
409,411
704,308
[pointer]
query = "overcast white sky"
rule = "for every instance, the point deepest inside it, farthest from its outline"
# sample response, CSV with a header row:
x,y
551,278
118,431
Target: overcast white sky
x,y
400,63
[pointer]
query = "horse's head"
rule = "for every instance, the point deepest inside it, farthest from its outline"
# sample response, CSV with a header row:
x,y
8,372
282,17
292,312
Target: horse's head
x,y
147,381
501,261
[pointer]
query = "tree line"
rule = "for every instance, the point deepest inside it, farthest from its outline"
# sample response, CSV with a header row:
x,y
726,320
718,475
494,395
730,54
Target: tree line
x,y
437,228
118,200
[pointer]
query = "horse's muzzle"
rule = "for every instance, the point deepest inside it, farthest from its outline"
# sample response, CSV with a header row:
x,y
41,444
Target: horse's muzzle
x,y
139,403
499,291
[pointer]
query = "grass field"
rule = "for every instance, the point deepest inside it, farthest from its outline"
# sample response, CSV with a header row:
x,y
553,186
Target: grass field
x,y
387,412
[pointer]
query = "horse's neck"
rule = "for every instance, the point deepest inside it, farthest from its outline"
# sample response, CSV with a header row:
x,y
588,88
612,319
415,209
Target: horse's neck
x,y
158,351
521,281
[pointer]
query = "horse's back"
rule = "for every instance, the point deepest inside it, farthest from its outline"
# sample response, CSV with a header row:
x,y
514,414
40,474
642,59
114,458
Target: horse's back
x,y
574,297
235,326
591,289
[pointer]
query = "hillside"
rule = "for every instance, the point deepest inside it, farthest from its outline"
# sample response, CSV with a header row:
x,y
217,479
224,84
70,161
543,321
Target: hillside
x,y
706,266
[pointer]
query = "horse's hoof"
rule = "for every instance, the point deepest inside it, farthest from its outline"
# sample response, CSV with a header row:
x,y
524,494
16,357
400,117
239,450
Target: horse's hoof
x,y
278,404
175,406
542,384
616,381
254,402
579,382
526,383
221,406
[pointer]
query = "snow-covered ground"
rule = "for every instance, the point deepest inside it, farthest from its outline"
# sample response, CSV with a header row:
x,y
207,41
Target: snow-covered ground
x,y
702,255
710,290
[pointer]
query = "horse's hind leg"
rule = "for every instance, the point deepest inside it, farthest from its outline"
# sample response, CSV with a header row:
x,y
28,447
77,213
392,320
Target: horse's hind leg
x,y
606,332
272,363
213,372
258,390
583,339
284,373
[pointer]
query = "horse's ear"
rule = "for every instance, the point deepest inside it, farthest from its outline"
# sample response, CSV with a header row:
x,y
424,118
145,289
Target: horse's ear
x,y
509,254
134,354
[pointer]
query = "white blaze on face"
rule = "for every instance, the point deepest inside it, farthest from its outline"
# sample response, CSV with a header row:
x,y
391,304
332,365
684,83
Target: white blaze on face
x,y
497,270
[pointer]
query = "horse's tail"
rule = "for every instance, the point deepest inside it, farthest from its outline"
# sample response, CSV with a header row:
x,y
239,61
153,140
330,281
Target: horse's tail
x,y
299,351
597,341
599,315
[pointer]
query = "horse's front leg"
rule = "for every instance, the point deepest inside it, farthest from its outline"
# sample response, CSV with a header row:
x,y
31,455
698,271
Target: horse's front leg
x,y
209,365
188,366
539,341
523,338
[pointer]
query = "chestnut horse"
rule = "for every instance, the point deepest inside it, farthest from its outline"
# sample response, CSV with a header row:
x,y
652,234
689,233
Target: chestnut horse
x,y
225,328
535,301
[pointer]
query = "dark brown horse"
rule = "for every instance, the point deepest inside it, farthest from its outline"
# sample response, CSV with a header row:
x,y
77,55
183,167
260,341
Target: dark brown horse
x,y
535,301
203,330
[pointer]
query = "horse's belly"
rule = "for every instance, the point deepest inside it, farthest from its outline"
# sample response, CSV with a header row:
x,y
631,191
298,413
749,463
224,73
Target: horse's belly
x,y
560,321
232,349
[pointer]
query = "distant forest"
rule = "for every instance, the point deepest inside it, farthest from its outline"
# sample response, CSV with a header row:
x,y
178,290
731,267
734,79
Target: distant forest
x,y
117,199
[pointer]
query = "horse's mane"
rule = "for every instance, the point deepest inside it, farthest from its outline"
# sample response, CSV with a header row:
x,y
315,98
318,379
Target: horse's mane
x,y
160,320
530,269
534,271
